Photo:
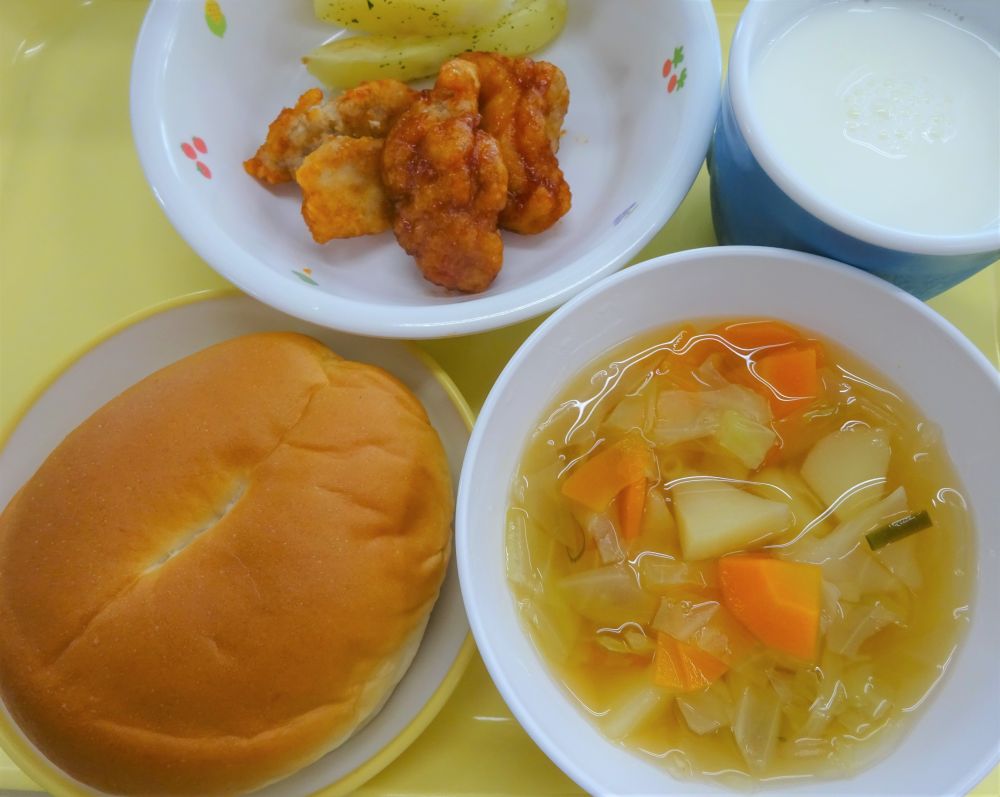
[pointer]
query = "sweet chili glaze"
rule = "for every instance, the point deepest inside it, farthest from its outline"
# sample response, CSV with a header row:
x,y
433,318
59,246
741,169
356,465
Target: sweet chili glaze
x,y
638,498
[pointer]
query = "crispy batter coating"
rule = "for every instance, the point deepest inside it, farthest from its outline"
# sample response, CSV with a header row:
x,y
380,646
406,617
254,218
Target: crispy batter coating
x,y
290,137
372,108
448,183
342,194
369,109
523,104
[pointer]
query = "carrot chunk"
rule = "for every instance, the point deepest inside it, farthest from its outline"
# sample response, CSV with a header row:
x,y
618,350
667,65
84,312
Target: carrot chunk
x,y
683,667
790,376
752,335
596,481
631,502
778,601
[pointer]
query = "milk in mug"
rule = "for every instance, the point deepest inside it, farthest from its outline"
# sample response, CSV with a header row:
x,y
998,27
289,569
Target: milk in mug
x,y
888,111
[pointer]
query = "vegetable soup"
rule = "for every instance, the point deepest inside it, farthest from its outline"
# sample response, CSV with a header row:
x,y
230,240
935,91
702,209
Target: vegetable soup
x,y
741,551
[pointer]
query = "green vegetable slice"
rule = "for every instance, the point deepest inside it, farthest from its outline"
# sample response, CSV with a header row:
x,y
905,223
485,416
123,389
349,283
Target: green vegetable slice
x,y
897,529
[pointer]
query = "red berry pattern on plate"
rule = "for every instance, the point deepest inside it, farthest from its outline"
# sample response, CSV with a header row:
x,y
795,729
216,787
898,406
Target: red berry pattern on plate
x,y
675,79
191,152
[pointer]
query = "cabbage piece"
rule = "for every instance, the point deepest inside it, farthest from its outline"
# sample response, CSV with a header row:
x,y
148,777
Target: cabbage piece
x,y
858,573
847,535
716,518
660,574
609,595
633,709
555,626
681,417
900,559
629,414
683,614
847,469
744,438
831,697
860,623
755,726
629,639
741,400
549,512
706,710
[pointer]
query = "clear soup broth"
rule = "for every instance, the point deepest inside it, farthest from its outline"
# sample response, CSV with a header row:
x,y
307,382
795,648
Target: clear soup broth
x,y
741,551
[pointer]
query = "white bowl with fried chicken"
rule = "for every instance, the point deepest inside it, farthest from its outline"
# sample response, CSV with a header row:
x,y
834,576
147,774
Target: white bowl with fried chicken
x,y
439,214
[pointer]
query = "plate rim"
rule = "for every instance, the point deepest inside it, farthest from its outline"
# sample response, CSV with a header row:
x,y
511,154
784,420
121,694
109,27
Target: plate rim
x,y
50,777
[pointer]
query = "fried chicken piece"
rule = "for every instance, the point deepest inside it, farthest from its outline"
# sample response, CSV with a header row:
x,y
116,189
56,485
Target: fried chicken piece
x,y
342,194
523,104
369,109
372,108
448,183
290,137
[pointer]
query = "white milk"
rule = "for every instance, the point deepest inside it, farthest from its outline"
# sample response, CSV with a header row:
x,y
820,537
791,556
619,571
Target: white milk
x,y
889,112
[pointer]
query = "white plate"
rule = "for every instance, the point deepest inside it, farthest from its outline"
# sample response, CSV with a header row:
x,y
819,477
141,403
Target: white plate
x,y
160,338
633,145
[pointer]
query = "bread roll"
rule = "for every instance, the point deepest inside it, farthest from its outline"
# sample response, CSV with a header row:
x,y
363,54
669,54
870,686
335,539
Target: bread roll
x,y
224,571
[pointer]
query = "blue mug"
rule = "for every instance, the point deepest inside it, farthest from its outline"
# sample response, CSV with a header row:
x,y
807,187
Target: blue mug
x,y
757,200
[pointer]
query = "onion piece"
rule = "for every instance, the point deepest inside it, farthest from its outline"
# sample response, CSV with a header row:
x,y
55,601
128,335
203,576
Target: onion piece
x,y
519,569
634,709
660,574
555,626
601,529
707,710
848,534
859,573
755,726
860,623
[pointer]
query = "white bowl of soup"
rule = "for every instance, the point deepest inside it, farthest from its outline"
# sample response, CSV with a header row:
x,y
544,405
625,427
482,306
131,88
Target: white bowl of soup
x,y
728,519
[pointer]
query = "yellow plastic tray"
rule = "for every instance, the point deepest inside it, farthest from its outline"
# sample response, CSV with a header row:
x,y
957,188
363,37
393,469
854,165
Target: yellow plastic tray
x,y
83,245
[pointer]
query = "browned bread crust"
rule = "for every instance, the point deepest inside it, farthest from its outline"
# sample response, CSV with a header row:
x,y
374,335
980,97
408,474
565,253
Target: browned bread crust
x,y
224,571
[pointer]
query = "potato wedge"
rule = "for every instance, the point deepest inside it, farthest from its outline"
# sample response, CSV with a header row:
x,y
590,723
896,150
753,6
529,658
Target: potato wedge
x,y
342,63
412,17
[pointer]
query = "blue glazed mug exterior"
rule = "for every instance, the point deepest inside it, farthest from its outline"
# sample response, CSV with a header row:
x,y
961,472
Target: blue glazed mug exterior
x,y
749,206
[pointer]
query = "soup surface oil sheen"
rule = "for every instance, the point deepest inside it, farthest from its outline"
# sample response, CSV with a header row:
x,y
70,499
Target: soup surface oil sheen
x,y
686,474
889,112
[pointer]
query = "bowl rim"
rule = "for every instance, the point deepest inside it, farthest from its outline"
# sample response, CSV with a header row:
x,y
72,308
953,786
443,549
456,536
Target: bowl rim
x,y
494,662
32,762
484,312
738,91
